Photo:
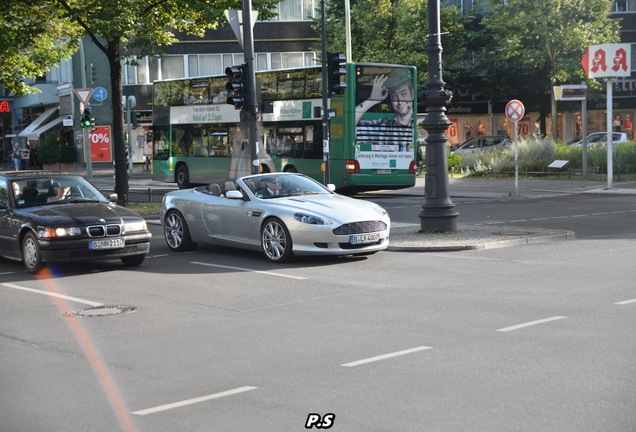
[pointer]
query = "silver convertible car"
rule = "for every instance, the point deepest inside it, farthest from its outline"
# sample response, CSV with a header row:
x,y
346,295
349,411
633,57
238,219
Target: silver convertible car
x,y
284,215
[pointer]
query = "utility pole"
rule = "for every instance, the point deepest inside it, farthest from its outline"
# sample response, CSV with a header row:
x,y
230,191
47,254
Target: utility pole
x,y
325,97
252,104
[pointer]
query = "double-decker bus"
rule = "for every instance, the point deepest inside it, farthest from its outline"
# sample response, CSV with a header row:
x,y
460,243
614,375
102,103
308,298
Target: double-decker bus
x,y
199,138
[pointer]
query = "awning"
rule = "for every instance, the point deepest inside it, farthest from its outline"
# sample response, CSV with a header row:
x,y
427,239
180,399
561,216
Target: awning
x,y
37,122
35,135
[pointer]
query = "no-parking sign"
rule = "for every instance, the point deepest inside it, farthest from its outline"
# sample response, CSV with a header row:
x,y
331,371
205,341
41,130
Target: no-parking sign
x,y
515,110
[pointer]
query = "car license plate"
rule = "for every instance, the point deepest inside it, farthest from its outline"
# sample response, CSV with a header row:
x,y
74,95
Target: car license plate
x,y
106,244
364,238
384,171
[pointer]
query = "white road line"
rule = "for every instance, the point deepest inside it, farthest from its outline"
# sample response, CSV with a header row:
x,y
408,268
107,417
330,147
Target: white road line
x,y
248,270
385,356
6,273
48,293
193,401
531,323
624,302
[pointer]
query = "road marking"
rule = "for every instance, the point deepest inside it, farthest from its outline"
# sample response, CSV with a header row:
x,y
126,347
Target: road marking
x,y
531,323
624,302
193,401
48,293
248,270
385,356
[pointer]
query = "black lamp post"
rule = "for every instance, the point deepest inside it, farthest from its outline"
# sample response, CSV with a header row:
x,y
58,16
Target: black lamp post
x,y
438,211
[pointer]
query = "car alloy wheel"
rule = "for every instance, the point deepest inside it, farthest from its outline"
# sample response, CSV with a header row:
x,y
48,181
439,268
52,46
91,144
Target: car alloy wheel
x,y
176,232
276,241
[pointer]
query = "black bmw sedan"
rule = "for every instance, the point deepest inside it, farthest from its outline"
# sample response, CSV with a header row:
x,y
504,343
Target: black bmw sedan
x,y
55,217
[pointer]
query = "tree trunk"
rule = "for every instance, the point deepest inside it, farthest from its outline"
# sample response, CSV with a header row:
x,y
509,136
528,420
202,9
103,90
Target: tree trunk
x,y
121,170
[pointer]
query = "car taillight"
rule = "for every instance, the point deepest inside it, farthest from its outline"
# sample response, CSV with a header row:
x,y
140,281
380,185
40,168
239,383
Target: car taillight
x,y
352,166
413,167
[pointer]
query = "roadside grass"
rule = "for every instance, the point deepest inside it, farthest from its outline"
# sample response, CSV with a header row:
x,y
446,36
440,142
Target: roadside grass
x,y
145,208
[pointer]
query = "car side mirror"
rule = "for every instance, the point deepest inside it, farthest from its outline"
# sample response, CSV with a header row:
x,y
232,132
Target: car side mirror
x,y
234,194
113,197
331,187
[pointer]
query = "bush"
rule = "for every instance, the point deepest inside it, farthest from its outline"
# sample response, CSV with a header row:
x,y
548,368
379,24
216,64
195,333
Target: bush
x,y
50,151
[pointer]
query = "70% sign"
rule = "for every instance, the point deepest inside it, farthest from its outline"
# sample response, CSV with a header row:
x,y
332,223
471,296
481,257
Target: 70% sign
x,y
101,149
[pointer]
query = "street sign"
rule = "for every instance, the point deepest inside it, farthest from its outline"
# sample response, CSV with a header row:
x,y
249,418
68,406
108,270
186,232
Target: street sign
x,y
515,110
576,92
608,61
83,95
100,94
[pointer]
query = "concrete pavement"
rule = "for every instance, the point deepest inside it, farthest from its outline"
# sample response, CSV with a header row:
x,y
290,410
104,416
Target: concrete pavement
x,y
467,237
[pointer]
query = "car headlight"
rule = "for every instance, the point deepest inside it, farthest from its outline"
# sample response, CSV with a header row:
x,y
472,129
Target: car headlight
x,y
312,219
135,226
380,210
58,232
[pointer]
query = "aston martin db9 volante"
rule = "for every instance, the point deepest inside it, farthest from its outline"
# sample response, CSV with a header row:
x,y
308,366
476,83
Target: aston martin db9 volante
x,y
283,215
53,217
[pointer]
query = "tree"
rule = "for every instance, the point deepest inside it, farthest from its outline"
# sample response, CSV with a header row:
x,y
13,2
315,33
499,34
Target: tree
x,y
391,31
34,37
547,39
121,28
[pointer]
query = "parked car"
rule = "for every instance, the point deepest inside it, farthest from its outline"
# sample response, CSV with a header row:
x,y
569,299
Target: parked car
x,y
302,217
600,138
52,217
482,143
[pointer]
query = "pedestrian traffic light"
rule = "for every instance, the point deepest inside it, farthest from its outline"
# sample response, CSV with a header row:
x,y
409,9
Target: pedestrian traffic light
x,y
85,121
237,86
135,119
337,73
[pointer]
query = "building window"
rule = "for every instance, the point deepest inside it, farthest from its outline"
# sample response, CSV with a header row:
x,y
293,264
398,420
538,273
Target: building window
x,y
172,67
297,10
624,6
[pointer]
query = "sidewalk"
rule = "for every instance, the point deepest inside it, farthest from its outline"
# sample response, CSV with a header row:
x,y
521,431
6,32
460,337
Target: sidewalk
x,y
471,237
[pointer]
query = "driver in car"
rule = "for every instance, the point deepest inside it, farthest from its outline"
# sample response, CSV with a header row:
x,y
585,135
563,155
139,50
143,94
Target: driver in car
x,y
271,188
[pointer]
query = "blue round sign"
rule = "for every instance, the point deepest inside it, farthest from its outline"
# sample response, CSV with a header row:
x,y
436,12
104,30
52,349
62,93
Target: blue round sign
x,y
100,94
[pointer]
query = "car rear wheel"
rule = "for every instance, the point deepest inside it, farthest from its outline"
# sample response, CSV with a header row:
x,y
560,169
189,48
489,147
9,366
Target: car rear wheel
x,y
276,241
31,257
176,232
134,260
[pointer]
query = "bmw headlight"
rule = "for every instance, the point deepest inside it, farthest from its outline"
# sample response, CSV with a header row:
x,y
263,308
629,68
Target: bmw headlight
x,y
312,219
58,232
380,210
135,226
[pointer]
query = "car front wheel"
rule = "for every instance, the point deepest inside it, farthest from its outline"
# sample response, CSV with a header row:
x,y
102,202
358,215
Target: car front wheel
x,y
31,257
276,241
176,232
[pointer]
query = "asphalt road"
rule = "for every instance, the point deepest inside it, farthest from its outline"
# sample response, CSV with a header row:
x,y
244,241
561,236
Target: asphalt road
x,y
537,337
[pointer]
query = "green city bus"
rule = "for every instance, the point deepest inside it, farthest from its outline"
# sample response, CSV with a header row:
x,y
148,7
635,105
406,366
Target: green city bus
x,y
199,138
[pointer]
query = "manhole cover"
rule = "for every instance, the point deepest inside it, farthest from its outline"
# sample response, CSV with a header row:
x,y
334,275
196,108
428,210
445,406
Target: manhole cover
x,y
98,311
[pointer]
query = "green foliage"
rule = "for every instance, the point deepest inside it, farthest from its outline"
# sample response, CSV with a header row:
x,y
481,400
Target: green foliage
x,y
50,151
68,153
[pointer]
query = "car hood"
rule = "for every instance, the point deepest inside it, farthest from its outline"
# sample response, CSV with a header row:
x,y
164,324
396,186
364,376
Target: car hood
x,y
78,213
336,207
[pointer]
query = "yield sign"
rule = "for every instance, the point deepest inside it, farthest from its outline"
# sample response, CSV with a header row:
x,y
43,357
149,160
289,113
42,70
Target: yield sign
x,y
83,95
515,110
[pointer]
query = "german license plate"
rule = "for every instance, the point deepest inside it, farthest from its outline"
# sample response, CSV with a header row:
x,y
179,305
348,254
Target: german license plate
x,y
106,244
384,171
364,238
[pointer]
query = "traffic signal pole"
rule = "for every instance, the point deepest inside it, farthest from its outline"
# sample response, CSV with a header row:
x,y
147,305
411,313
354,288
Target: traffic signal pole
x,y
250,80
325,97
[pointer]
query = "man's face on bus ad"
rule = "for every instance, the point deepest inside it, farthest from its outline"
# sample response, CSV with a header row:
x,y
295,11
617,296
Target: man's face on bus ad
x,y
402,100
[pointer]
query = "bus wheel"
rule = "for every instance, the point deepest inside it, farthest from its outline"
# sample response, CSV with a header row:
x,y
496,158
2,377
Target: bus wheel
x,y
291,169
276,241
183,177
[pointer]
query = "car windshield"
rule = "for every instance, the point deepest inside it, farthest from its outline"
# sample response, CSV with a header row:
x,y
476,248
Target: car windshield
x,y
280,185
53,190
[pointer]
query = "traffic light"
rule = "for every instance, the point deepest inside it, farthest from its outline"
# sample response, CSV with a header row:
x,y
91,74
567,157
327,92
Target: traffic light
x,y
93,71
336,73
85,121
135,119
237,86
